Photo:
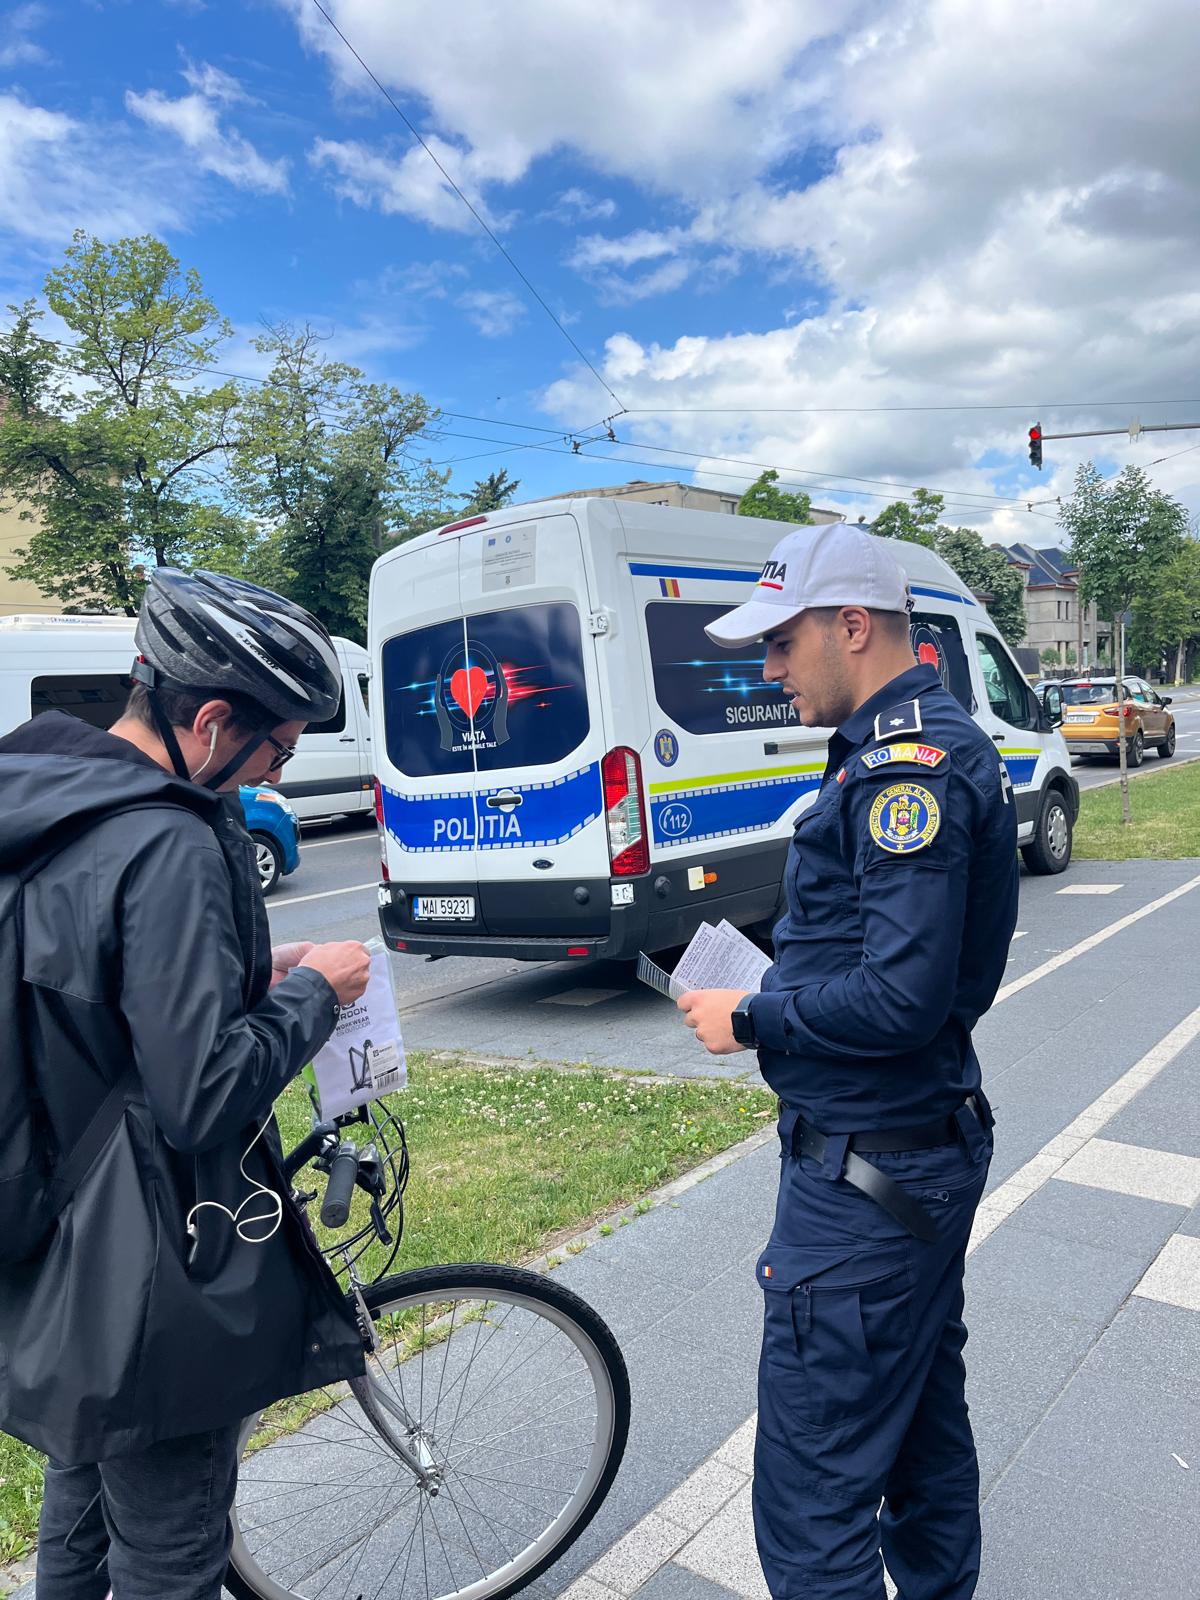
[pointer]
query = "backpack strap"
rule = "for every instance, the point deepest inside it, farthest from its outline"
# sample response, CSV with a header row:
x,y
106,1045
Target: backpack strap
x,y
106,1119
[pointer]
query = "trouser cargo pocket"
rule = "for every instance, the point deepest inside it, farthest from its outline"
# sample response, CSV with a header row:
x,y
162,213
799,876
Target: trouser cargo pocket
x,y
838,1328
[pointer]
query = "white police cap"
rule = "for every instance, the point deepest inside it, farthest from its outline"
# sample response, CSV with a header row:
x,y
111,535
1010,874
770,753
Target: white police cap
x,y
830,564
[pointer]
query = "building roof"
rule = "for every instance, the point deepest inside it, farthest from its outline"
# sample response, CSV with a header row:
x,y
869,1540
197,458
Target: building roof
x,y
1049,567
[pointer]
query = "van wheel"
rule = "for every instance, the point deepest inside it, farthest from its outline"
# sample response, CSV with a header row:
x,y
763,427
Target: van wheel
x,y
268,860
1049,850
1167,747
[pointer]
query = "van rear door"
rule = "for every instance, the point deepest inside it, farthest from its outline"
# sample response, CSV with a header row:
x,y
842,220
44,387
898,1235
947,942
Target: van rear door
x,y
527,696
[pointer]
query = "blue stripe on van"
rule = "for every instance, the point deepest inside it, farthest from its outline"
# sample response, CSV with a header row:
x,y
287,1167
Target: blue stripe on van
x,y
715,813
943,594
548,814
648,569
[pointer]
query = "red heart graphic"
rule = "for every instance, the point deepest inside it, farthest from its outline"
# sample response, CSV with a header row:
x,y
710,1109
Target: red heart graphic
x,y
927,655
469,687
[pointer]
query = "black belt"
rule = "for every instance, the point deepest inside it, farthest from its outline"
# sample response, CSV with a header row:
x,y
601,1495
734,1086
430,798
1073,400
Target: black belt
x,y
885,1191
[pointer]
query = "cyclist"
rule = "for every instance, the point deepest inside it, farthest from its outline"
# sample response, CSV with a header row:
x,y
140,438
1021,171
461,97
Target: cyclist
x,y
144,1328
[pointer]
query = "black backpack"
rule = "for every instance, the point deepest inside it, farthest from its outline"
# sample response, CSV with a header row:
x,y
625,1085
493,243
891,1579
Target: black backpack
x,y
36,1178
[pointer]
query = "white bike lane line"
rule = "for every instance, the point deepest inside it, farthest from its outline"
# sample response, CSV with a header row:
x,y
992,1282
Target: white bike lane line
x,y
704,1525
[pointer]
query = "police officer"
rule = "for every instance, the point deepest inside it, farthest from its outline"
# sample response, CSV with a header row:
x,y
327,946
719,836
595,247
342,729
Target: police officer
x,y
901,902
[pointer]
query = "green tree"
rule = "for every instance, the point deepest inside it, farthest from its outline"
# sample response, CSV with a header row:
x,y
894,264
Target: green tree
x,y
1049,657
492,493
1121,534
986,572
914,520
324,459
1166,615
108,441
763,499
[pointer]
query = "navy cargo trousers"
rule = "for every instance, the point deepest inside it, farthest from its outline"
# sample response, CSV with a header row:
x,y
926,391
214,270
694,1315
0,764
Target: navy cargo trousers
x,y
864,1443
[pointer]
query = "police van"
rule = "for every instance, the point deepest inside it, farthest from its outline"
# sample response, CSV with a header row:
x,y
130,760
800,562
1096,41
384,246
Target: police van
x,y
81,664
568,768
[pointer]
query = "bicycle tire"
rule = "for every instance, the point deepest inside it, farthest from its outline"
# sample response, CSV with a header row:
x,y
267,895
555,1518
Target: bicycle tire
x,y
493,1285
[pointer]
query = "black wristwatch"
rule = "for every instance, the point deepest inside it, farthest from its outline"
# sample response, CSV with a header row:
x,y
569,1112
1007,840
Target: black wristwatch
x,y
743,1024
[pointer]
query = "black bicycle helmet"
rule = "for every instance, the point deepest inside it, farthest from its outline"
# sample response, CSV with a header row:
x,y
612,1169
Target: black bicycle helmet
x,y
204,631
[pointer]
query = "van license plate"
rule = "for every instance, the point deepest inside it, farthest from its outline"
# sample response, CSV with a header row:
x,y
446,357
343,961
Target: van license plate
x,y
443,908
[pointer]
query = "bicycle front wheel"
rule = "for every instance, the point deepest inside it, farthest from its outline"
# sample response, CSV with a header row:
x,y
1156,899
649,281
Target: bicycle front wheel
x,y
484,1438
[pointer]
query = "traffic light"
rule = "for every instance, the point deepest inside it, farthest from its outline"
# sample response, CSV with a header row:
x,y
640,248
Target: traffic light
x,y
1035,446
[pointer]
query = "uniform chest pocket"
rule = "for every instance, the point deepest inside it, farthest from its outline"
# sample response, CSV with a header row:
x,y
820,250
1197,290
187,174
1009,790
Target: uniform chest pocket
x,y
837,1328
820,877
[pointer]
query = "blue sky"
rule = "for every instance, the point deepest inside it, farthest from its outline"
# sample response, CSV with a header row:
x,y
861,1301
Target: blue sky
x,y
728,206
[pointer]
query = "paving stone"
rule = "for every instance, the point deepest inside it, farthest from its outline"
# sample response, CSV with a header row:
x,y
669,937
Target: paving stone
x,y
1165,1115
1024,1267
1132,1169
673,1582
1159,1343
725,1551
1044,1536
1098,1216
1174,1274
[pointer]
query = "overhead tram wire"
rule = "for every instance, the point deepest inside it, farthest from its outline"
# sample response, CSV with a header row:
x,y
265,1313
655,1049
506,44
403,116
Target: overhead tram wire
x,y
479,218
798,411
900,491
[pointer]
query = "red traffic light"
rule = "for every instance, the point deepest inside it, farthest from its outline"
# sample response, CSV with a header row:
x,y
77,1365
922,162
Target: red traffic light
x,y
1035,446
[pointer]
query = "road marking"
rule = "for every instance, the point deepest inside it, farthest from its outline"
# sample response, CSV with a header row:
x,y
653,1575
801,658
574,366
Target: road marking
x,y
724,1549
1064,957
1090,888
346,838
299,899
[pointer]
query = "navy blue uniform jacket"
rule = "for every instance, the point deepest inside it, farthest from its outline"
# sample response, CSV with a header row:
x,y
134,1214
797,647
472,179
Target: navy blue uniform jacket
x,y
902,899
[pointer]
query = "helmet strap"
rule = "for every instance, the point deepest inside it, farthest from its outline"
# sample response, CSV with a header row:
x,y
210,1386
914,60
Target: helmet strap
x,y
143,673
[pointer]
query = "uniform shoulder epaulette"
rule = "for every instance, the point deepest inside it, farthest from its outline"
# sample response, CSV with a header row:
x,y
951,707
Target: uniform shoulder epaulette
x,y
899,721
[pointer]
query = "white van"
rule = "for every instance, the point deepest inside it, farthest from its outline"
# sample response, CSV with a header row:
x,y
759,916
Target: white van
x,y
568,768
81,665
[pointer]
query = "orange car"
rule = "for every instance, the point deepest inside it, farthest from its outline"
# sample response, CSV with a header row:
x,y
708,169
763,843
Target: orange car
x,y
1090,719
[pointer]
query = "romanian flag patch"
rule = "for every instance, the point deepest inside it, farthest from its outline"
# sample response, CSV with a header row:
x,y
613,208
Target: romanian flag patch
x,y
669,587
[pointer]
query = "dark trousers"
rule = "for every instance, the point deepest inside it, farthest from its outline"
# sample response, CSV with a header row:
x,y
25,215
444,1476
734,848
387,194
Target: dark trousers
x,y
151,1526
861,1386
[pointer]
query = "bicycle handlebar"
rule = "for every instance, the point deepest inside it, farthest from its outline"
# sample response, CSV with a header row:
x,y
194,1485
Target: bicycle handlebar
x,y
343,1170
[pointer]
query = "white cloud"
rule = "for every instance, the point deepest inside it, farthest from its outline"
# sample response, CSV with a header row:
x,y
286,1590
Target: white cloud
x,y
58,174
409,184
980,237
683,95
17,49
494,312
195,121
577,205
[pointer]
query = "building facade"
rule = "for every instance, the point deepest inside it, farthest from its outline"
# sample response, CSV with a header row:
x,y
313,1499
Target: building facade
x,y
688,495
16,595
1055,619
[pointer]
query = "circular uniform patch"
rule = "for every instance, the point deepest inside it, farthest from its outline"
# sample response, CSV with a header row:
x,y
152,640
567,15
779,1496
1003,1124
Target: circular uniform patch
x,y
905,817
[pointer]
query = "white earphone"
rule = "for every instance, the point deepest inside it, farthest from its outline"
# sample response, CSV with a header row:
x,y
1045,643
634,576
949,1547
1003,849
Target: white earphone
x,y
261,1225
214,729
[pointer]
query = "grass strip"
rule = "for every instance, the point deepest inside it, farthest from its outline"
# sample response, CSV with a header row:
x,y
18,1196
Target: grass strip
x,y
506,1163
1166,818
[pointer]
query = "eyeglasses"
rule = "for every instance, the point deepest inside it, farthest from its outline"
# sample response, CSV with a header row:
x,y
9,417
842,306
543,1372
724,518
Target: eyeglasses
x,y
283,753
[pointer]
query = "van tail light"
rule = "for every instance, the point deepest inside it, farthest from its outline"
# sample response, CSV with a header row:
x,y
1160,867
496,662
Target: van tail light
x,y
380,830
625,813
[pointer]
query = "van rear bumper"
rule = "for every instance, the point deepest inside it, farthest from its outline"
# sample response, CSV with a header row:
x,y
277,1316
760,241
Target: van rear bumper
x,y
745,887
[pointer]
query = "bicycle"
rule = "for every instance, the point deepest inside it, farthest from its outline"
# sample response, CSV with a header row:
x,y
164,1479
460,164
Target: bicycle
x,y
480,1443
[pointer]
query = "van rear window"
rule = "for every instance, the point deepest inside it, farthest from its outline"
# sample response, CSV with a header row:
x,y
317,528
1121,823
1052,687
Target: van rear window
x,y
937,642
506,690
702,687
94,697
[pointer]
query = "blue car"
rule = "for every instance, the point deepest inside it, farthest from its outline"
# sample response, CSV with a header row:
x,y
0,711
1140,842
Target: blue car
x,y
274,827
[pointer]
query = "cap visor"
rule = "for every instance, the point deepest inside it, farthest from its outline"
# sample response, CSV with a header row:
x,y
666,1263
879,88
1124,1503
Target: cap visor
x,y
746,624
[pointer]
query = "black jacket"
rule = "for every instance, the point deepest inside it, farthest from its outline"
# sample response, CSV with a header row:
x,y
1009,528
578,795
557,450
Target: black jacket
x,y
146,943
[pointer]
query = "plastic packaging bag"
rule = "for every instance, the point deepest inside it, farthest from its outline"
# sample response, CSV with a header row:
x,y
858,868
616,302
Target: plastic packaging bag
x,y
364,1059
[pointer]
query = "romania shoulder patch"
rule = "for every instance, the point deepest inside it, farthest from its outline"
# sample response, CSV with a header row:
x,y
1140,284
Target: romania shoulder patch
x,y
904,817
921,755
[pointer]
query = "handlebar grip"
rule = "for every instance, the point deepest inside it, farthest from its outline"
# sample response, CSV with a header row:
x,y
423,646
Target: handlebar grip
x,y
343,1170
